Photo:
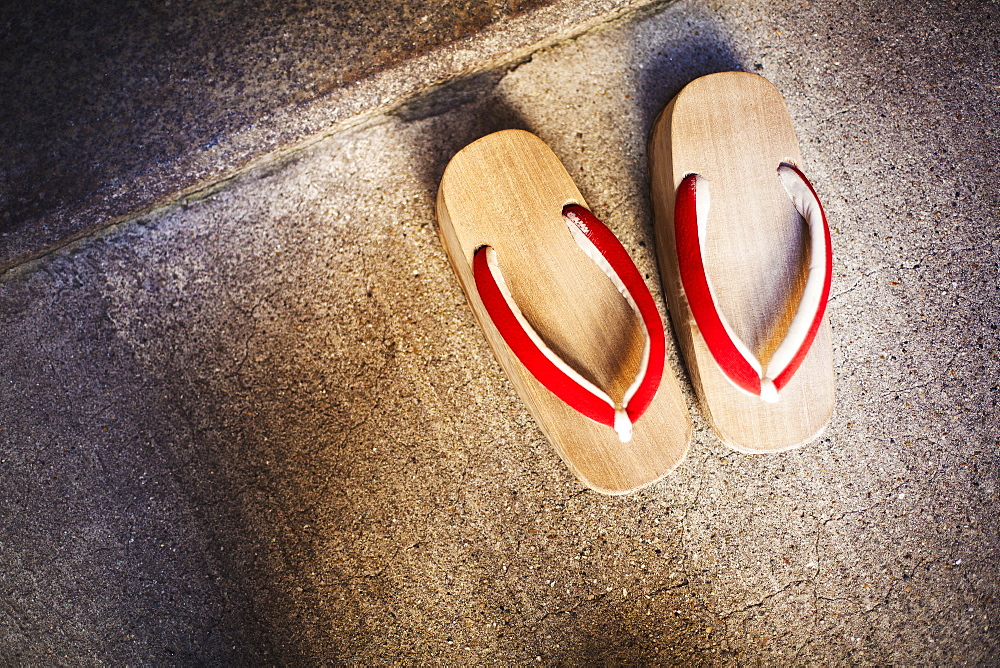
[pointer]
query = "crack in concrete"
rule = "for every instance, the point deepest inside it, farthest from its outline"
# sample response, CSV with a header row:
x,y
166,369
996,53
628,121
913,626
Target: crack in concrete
x,y
811,581
686,549
663,590
857,283
762,601
238,368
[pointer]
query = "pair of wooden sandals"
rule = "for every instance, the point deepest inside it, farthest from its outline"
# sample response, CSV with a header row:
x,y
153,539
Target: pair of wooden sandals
x,y
744,253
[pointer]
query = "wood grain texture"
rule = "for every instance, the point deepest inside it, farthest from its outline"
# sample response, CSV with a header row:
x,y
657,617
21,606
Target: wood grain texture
x,y
733,129
507,190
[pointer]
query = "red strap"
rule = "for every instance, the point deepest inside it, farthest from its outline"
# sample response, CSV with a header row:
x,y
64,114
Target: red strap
x,y
781,379
738,364
611,249
549,369
699,295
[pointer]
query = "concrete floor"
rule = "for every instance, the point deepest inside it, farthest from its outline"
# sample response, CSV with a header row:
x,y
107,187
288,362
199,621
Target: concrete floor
x,y
261,426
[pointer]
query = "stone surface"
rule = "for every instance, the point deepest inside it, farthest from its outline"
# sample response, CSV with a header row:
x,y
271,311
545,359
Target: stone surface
x,y
113,107
261,426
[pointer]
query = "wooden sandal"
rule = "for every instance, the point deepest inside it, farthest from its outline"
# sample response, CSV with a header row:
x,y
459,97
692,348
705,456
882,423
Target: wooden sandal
x,y
746,280
565,310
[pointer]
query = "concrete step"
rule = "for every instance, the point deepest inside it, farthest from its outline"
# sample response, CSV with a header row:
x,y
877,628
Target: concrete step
x,y
114,108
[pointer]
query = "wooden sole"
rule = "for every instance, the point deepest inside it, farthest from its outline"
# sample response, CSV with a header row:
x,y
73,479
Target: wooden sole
x,y
734,130
507,190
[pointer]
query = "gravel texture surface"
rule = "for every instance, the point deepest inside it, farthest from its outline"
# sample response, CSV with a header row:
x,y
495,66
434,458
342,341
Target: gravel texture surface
x,y
261,426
